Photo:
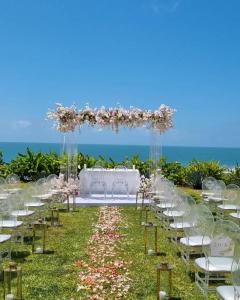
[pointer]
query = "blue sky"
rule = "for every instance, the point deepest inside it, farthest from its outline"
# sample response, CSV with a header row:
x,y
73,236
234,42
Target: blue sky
x,y
184,53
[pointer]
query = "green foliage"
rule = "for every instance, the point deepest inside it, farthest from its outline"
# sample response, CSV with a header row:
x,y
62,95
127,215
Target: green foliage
x,y
1,157
174,171
31,166
233,176
196,171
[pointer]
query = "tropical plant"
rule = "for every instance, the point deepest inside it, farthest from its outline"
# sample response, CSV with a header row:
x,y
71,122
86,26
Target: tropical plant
x,y
196,171
31,166
233,176
1,158
175,172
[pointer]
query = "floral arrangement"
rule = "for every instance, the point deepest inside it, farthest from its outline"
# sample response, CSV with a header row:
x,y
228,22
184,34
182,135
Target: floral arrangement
x,y
67,118
145,184
105,276
68,188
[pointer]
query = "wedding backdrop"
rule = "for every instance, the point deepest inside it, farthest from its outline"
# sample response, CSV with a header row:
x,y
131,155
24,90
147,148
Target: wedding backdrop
x,y
68,120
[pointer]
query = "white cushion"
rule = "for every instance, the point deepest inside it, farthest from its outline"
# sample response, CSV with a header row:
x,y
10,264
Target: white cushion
x,y
43,196
34,204
228,206
10,223
195,241
235,215
173,213
226,292
22,213
4,237
166,205
181,225
207,194
215,199
215,264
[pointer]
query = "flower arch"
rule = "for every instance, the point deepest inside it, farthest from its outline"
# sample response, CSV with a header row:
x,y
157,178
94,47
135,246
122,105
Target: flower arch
x,y
66,119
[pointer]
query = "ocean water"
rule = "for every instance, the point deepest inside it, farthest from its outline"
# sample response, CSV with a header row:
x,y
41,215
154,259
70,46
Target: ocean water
x,y
228,157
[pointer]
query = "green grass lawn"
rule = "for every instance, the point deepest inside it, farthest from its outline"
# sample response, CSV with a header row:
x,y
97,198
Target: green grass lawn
x,y
54,276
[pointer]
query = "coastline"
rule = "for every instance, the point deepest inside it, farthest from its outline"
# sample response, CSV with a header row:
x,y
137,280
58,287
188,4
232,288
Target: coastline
x,y
227,157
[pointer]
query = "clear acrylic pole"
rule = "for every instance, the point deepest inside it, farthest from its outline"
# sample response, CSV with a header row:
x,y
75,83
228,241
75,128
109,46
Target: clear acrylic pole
x,y
155,151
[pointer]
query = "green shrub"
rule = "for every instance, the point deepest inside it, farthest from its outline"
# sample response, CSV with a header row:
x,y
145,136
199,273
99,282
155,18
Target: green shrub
x,y
1,158
196,171
175,172
31,166
233,176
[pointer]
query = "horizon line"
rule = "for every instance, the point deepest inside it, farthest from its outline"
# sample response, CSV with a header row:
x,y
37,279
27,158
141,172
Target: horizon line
x,y
104,144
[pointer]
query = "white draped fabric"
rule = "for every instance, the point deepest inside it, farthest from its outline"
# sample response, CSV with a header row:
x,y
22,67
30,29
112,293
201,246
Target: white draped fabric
x,y
109,178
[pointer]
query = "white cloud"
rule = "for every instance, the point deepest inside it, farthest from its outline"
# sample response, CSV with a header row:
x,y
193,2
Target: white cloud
x,y
164,6
21,124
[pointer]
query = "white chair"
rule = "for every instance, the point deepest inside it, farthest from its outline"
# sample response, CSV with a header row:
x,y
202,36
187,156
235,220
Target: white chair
x,y
218,256
199,234
208,184
12,183
32,203
9,223
98,183
230,201
172,209
120,184
164,197
229,292
181,221
216,196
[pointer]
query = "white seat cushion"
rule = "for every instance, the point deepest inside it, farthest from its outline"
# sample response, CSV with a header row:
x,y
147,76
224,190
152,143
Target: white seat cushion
x,y
173,213
226,292
207,194
180,225
4,237
22,213
159,197
10,224
43,196
228,206
235,215
215,264
34,204
195,241
166,205
215,199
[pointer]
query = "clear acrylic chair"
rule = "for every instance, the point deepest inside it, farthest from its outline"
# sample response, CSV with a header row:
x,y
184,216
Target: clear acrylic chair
x,y
216,196
226,292
199,234
98,184
31,203
230,198
218,256
21,212
170,208
181,221
120,185
235,215
12,183
9,223
208,184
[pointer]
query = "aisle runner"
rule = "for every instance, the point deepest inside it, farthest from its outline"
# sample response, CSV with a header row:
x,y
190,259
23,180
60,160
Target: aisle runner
x,y
105,276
